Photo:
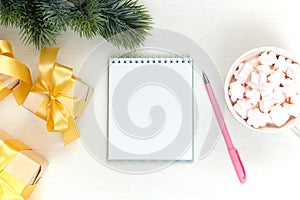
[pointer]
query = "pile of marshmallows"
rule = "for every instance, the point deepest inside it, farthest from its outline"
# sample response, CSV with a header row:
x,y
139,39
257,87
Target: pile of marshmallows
x,y
265,91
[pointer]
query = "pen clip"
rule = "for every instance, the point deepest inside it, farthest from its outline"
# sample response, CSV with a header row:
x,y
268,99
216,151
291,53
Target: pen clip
x,y
238,165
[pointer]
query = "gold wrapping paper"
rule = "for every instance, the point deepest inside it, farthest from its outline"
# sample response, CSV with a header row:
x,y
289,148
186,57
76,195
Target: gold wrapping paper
x,y
15,77
20,168
57,96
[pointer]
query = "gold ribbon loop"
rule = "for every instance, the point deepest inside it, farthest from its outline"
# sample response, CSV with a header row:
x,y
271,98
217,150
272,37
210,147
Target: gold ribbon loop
x,y
56,82
6,49
15,69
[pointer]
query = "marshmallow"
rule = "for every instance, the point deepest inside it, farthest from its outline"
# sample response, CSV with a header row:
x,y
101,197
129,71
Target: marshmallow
x,y
243,72
279,115
293,110
290,88
266,105
282,63
262,80
257,118
254,80
278,95
264,69
236,90
297,82
268,58
254,62
267,92
277,77
253,95
295,100
293,71
257,80
242,107
271,96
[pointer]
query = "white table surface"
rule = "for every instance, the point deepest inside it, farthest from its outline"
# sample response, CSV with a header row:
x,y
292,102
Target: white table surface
x,y
225,29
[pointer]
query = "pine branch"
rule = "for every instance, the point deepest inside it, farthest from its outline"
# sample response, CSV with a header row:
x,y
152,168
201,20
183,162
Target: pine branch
x,y
86,18
9,10
127,23
57,12
34,28
121,22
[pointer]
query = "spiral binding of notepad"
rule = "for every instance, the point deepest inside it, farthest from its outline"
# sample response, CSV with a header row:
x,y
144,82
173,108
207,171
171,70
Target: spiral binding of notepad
x,y
157,60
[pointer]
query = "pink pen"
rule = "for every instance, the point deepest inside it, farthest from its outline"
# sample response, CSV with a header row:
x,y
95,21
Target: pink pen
x,y
234,155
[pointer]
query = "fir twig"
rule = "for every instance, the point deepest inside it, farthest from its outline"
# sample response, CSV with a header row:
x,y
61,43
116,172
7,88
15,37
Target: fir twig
x,y
34,26
57,12
9,12
121,22
127,23
86,18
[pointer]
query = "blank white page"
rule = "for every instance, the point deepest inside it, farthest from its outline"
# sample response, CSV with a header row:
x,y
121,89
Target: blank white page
x,y
150,113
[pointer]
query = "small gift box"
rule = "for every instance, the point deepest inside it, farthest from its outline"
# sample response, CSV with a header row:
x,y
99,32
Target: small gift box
x,y
57,96
15,77
20,168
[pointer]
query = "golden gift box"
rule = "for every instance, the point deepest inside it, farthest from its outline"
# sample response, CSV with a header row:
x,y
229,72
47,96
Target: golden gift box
x,y
20,168
15,77
57,96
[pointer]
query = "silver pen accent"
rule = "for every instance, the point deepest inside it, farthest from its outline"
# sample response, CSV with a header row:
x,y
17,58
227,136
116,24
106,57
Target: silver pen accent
x,y
205,78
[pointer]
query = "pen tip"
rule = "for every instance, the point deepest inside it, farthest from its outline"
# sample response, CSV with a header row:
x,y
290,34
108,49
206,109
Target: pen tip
x,y
205,78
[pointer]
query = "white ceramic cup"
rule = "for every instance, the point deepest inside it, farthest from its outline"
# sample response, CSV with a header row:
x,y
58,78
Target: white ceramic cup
x,y
294,123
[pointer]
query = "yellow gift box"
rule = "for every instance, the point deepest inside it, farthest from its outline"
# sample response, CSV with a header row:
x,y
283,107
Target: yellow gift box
x,y
20,168
57,96
15,77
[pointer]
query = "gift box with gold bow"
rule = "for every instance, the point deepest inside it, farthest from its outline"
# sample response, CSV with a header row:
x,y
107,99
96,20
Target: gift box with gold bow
x,y
20,168
15,77
57,96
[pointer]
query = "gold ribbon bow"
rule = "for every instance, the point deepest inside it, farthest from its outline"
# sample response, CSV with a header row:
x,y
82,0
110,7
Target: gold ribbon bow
x,y
10,187
13,68
56,81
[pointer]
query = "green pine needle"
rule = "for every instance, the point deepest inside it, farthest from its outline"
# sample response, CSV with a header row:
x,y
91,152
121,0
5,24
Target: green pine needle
x,y
9,12
57,12
34,28
127,23
121,22
87,19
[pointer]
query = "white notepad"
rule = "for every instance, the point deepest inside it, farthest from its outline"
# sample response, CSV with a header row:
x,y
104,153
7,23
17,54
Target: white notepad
x,y
150,109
